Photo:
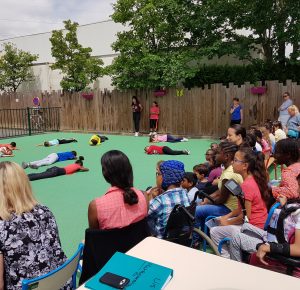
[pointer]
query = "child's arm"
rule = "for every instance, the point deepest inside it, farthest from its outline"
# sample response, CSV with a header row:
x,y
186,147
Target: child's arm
x,y
42,144
84,169
4,155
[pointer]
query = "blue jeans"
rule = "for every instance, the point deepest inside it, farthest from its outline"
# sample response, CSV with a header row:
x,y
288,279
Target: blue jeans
x,y
203,211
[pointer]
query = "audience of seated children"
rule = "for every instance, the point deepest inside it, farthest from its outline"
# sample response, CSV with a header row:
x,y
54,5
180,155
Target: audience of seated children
x,y
168,177
153,149
251,167
50,159
29,240
188,182
224,202
58,171
122,204
254,239
201,172
287,153
97,140
278,132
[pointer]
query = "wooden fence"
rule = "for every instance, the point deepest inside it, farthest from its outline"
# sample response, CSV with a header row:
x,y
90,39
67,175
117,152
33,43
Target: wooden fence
x,y
199,112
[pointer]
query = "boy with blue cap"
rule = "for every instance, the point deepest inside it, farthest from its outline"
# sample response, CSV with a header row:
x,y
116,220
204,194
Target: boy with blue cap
x,y
168,177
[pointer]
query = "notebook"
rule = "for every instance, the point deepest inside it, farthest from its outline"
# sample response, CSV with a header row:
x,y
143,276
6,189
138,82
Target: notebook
x,y
142,274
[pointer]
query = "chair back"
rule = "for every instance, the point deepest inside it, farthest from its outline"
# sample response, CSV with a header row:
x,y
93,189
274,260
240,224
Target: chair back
x,y
57,278
100,245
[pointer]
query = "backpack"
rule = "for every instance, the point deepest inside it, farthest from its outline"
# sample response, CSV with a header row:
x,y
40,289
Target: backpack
x,y
277,227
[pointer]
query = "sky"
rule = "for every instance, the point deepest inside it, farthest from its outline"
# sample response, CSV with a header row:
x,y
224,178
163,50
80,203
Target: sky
x,y
23,17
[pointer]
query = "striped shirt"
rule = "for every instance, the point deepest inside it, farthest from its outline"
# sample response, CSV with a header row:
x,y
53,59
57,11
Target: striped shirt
x,y
161,206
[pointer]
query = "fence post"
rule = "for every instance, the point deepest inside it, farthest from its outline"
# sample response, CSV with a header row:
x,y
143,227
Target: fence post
x,y
28,120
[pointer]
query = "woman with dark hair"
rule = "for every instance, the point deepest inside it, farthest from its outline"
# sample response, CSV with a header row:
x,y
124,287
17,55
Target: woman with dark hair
x,y
251,167
287,153
122,204
236,134
136,113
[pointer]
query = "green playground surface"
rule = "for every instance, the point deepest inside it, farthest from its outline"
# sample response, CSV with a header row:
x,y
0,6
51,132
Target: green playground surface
x,y
68,196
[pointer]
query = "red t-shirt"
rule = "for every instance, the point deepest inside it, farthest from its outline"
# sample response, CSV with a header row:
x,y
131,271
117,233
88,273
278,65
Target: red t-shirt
x,y
258,208
72,168
153,149
154,113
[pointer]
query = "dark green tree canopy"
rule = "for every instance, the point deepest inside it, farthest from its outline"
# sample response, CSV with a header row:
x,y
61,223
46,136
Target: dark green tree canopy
x,y
15,67
167,40
79,68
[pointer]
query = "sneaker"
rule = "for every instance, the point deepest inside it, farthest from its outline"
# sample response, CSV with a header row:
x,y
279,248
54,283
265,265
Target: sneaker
x,y
33,166
150,133
136,134
185,139
25,165
187,152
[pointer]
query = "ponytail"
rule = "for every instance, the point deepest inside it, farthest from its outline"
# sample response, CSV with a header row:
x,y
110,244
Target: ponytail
x,y
256,166
130,196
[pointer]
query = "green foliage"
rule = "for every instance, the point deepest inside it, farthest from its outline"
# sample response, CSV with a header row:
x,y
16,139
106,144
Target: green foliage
x,y
166,40
258,71
76,63
15,67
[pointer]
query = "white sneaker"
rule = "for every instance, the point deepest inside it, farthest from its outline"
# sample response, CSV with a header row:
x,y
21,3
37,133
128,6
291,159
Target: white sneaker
x,y
150,133
187,152
185,139
136,134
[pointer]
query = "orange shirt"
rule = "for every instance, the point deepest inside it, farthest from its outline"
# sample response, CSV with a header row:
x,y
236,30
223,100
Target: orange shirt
x,y
72,168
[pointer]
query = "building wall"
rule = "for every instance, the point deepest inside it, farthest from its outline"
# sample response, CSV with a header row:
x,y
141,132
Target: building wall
x,y
99,36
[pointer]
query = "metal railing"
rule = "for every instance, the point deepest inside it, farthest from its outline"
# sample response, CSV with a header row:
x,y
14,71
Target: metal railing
x,y
28,121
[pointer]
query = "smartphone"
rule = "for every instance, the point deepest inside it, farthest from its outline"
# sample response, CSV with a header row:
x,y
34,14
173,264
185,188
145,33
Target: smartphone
x,y
114,280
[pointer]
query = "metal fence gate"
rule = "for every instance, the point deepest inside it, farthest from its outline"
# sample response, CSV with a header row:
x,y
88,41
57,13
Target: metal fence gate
x,y
28,121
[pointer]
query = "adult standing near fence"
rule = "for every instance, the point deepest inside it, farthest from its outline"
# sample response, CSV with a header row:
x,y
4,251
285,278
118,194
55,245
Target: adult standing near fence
x,y
283,109
136,112
236,111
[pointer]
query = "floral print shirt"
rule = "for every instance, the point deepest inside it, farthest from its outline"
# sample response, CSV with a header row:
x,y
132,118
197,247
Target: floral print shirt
x,y
30,246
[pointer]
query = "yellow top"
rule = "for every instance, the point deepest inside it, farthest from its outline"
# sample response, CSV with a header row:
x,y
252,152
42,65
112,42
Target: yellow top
x,y
232,202
96,137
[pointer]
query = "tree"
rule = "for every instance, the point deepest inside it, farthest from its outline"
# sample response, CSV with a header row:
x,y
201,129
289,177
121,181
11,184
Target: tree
x,y
15,67
76,63
153,51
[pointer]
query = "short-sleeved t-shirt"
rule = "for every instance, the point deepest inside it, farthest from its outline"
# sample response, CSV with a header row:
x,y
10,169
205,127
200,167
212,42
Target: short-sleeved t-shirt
x,y
155,150
228,173
258,207
162,138
236,114
154,113
215,173
72,168
97,138
63,156
53,142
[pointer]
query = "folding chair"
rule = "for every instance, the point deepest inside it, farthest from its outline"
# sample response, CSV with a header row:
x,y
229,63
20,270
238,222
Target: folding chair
x,y
56,279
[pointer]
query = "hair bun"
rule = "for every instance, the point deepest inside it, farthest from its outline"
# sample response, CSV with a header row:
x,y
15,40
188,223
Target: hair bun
x,y
81,158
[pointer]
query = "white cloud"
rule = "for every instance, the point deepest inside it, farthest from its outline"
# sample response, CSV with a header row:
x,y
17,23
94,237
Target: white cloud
x,y
19,17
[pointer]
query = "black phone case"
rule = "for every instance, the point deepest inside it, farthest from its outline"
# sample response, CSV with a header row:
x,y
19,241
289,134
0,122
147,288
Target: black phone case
x,y
114,280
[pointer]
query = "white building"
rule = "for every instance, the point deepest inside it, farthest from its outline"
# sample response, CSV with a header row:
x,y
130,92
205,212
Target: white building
x,y
99,36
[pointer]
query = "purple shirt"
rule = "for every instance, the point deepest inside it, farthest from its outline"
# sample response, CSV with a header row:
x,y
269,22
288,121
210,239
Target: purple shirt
x,y
215,173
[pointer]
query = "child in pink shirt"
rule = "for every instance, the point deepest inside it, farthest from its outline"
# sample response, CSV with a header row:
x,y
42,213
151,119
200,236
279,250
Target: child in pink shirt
x,y
154,116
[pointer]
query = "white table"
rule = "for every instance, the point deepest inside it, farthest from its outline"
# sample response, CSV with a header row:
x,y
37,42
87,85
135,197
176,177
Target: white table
x,y
194,269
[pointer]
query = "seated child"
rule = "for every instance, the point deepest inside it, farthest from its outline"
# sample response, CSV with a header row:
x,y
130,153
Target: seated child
x,y
153,149
278,132
56,142
97,140
189,181
201,172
